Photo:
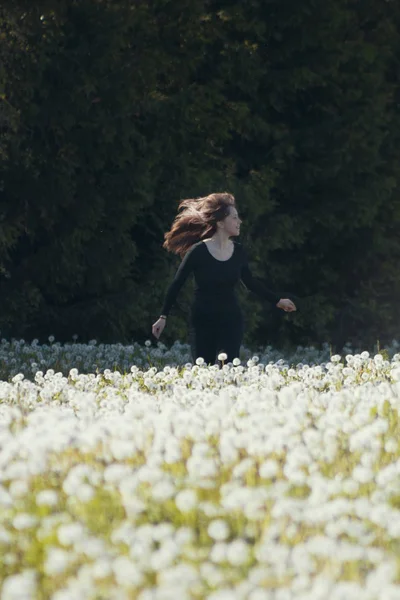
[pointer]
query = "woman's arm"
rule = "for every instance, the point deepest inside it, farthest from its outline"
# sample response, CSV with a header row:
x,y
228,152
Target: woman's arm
x,y
183,272
255,285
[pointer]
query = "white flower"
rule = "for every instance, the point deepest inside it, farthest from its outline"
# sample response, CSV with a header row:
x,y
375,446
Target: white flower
x,y
241,468
147,343
223,594
260,594
102,568
182,575
350,486
209,509
391,446
57,561
268,469
127,572
5,536
200,361
165,556
192,441
146,594
122,448
237,553
24,521
186,500
116,472
336,358
218,530
9,558
218,552
74,374
163,490
211,574
18,488
20,587
18,378
47,498
150,474
5,497
70,533
222,356
92,547
362,474
84,492
201,467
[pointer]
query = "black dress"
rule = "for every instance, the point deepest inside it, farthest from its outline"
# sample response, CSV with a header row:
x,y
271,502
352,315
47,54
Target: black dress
x,y
216,321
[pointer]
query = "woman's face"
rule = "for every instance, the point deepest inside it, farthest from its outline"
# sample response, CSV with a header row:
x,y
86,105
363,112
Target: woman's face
x,y
231,223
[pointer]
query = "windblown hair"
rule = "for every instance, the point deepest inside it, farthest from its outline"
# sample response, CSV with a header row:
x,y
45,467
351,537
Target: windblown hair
x,y
197,221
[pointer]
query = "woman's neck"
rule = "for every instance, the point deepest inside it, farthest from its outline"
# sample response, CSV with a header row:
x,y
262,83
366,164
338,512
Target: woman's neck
x,y
221,240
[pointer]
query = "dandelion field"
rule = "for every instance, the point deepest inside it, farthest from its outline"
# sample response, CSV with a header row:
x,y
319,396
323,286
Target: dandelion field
x,y
124,475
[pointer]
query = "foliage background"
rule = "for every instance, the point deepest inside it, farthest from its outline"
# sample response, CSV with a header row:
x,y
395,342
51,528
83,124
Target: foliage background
x,y
111,112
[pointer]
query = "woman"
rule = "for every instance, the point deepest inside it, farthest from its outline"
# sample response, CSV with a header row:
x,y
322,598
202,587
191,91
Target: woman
x,y
201,234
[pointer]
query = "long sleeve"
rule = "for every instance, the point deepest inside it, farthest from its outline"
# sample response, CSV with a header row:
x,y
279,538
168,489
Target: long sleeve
x,y
183,272
255,285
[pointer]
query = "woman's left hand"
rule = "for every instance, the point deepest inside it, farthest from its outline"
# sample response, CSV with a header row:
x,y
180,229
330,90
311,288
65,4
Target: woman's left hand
x,y
286,305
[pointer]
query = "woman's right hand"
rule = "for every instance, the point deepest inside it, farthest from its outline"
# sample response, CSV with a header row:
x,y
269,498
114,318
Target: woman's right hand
x,y
158,327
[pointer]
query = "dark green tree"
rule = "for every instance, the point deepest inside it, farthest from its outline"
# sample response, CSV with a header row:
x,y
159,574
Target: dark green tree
x,y
111,112
311,86
76,169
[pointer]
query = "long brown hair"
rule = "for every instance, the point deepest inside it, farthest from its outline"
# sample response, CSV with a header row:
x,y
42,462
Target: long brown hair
x,y
197,221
